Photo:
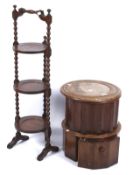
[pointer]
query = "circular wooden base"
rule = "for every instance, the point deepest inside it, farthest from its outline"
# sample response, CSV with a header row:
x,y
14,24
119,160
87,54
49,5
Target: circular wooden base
x,y
31,124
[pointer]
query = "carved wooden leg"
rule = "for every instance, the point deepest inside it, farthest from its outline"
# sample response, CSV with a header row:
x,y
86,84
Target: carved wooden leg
x,y
16,139
46,150
47,95
48,146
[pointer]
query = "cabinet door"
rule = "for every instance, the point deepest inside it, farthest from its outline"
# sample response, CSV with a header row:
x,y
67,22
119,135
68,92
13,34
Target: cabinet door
x,y
70,144
98,154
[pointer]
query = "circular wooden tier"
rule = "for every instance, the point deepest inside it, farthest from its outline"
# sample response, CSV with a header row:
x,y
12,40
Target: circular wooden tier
x,y
30,86
91,106
30,48
31,124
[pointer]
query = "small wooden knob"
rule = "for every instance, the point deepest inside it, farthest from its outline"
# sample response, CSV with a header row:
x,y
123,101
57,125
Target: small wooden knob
x,y
101,149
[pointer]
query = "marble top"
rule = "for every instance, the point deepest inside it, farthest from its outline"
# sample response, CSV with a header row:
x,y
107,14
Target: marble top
x,y
91,90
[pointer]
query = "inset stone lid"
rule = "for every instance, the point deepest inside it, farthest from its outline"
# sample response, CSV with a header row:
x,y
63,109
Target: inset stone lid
x,y
91,91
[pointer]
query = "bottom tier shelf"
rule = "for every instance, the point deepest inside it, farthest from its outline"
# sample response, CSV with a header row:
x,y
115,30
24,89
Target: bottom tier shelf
x,y
31,124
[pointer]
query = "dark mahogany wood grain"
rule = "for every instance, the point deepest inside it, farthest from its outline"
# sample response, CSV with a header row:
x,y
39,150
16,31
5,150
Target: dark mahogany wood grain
x,y
93,153
91,124
30,86
91,117
99,154
70,145
91,106
33,124
93,136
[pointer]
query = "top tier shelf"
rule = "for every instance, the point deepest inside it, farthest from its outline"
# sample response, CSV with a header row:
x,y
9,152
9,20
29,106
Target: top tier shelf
x,y
30,48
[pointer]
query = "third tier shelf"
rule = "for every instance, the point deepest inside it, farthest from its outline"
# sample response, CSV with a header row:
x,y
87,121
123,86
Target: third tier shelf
x,y
30,86
30,48
32,124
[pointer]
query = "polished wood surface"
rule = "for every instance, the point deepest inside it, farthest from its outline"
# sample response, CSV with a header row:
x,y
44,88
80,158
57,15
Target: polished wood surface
x,y
91,124
30,86
88,117
91,106
30,48
95,155
93,136
31,124
91,91
70,145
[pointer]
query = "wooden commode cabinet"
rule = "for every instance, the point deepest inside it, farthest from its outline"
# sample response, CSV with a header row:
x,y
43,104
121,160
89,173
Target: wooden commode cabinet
x,y
91,126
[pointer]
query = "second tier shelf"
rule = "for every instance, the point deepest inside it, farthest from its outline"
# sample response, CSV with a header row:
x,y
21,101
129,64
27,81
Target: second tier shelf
x,y
32,124
30,48
30,86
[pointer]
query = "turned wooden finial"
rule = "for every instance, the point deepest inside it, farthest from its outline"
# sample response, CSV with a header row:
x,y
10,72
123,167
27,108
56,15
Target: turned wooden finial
x,y
45,38
49,10
14,6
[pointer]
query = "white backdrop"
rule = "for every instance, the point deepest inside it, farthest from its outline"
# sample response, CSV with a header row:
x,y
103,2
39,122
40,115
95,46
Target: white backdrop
x,y
90,40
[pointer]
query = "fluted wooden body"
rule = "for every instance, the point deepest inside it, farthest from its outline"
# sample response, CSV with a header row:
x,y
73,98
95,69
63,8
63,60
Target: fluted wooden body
x,y
88,117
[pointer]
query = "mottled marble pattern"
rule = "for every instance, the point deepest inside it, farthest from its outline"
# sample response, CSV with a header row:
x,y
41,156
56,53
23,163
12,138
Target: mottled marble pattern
x,y
89,89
